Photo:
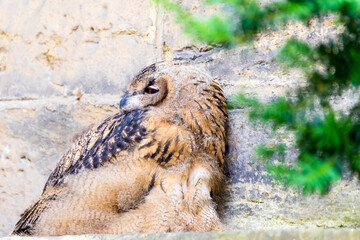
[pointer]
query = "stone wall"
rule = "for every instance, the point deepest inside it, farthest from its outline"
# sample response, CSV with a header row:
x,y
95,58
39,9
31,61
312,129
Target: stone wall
x,y
65,64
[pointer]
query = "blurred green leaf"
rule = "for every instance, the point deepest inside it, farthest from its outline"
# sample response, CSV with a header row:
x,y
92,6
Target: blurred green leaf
x,y
296,54
312,174
266,152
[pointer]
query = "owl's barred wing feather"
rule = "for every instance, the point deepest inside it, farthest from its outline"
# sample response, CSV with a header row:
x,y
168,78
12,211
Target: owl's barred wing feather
x,y
28,219
98,146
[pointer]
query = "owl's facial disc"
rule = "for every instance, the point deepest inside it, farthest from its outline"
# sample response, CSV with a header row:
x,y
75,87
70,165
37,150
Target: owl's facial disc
x,y
147,92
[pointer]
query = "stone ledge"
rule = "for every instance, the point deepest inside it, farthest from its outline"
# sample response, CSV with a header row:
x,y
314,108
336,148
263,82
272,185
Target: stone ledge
x,y
260,234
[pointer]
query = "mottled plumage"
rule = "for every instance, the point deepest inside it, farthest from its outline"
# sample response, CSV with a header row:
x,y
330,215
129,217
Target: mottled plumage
x,y
153,167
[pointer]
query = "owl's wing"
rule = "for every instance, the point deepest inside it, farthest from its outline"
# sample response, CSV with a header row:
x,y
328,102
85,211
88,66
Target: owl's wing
x,y
92,150
24,226
98,146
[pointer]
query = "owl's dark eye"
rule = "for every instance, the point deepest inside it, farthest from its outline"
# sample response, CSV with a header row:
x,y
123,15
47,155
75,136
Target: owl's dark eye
x,y
151,89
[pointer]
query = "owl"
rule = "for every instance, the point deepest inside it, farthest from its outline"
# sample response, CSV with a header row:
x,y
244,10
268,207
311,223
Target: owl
x,y
156,166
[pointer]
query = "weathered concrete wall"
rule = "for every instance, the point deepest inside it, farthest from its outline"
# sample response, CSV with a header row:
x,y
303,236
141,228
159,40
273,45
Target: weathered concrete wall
x,y
64,65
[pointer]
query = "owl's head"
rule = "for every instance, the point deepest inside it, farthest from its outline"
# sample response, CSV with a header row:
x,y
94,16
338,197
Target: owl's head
x,y
183,95
164,85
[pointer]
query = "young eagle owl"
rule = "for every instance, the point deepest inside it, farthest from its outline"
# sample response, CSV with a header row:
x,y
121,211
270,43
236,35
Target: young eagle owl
x,y
153,167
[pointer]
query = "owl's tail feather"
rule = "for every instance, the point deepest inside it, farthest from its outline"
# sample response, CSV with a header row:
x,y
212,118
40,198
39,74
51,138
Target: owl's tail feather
x,y
24,226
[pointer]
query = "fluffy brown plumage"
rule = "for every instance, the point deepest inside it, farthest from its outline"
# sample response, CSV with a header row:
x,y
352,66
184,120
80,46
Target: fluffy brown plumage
x,y
153,167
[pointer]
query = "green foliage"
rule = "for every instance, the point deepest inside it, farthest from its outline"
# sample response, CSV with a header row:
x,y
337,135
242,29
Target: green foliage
x,y
214,29
328,141
312,173
297,54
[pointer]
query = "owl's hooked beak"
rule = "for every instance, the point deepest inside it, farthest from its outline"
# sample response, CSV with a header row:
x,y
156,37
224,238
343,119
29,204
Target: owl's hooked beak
x,y
124,100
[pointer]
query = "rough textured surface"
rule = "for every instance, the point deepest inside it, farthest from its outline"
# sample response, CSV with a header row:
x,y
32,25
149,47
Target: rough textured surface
x,y
254,201
279,234
63,66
